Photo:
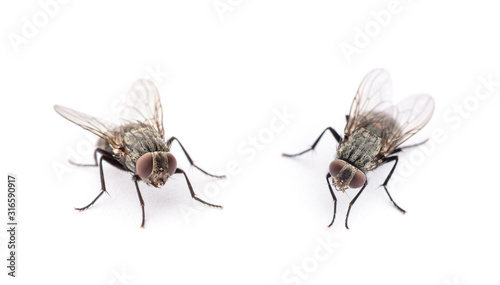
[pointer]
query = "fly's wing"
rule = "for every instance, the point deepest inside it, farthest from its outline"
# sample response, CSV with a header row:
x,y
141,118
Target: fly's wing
x,y
142,105
409,116
104,129
372,103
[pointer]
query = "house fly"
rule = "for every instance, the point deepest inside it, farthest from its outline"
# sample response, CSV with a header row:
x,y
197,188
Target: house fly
x,y
375,128
137,145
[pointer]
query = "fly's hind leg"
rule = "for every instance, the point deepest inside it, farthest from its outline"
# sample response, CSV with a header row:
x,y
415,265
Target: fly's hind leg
x,y
83,164
337,137
389,159
169,142
408,146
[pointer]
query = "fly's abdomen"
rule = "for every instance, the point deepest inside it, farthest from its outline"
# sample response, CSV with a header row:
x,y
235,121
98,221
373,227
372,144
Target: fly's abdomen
x,y
361,149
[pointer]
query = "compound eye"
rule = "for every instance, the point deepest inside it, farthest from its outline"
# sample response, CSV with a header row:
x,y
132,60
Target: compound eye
x,y
358,180
172,164
335,167
144,165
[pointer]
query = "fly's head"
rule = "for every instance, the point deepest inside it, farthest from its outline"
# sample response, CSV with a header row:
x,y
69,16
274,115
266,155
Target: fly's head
x,y
346,175
156,167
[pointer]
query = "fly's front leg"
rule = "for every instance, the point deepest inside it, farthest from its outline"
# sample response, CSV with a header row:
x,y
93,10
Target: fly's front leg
x,y
337,137
169,142
135,178
328,175
193,195
352,203
389,159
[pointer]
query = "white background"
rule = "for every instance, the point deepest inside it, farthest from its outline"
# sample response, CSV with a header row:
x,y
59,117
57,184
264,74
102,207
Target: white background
x,y
228,75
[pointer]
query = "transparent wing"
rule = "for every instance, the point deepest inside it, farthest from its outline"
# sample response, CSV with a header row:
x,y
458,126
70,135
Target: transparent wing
x,y
104,129
142,104
409,116
373,101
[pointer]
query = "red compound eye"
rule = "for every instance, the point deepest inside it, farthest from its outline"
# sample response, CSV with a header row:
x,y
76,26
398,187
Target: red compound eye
x,y
358,180
335,167
144,165
172,164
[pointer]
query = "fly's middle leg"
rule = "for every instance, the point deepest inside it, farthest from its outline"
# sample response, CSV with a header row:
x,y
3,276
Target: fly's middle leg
x,y
169,142
103,184
337,137
389,159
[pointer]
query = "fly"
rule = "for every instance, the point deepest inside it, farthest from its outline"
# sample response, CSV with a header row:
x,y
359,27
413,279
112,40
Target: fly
x,y
375,128
137,145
